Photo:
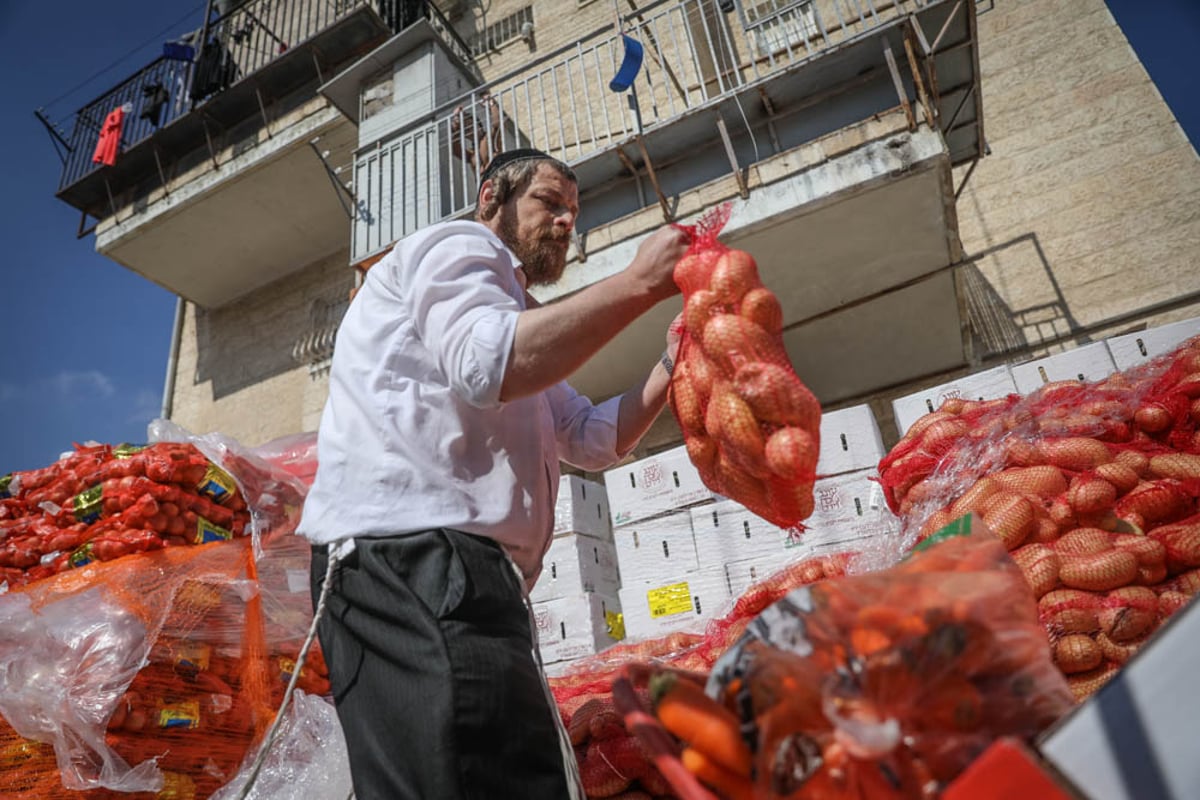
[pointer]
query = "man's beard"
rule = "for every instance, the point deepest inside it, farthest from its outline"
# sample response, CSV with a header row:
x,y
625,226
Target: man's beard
x,y
543,257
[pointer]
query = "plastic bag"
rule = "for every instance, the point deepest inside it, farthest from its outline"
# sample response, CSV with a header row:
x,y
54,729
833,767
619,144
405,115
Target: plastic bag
x,y
752,429
1092,487
883,685
308,762
157,671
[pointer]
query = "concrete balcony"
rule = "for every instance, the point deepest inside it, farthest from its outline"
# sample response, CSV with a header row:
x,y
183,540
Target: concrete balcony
x,y
222,181
833,131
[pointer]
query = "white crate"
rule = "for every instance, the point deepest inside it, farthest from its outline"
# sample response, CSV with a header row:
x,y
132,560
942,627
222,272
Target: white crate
x,y
1089,363
847,508
653,485
575,564
987,385
686,603
850,440
573,627
1133,349
652,548
582,507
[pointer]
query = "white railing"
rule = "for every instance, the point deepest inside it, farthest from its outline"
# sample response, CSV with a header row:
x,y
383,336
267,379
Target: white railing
x,y
694,55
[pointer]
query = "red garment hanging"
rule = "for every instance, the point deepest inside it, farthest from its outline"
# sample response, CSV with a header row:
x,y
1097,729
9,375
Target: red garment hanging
x,y
110,137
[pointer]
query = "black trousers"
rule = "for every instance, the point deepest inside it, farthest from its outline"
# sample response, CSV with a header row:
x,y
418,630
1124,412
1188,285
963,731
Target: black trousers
x,y
428,644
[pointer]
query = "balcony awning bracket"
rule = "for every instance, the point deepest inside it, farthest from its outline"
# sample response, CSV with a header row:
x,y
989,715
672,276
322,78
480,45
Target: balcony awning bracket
x,y
85,229
743,189
627,162
926,106
662,199
927,58
899,84
162,176
262,108
769,107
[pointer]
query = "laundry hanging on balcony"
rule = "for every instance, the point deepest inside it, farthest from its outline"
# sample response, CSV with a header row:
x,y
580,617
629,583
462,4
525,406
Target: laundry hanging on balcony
x,y
154,99
110,137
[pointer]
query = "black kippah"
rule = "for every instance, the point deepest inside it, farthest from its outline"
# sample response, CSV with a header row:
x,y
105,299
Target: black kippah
x,y
511,157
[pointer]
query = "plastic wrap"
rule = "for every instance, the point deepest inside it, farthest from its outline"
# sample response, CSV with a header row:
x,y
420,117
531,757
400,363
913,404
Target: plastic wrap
x,y
309,761
883,685
1092,487
156,672
295,454
752,429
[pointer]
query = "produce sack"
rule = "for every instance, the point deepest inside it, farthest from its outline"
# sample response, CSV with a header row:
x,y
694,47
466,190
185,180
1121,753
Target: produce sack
x,y
752,429
153,674
884,685
1092,487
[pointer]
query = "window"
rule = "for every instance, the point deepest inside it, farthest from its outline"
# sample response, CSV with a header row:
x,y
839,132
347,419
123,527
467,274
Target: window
x,y
777,25
502,32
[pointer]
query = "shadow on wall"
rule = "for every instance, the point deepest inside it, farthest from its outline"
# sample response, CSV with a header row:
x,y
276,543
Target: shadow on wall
x,y
998,328
259,337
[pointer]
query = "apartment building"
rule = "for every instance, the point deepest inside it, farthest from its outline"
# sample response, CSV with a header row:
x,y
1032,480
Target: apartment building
x,y
931,187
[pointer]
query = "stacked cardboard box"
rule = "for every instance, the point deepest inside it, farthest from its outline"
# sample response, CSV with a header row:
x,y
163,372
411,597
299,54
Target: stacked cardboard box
x,y
664,587
575,606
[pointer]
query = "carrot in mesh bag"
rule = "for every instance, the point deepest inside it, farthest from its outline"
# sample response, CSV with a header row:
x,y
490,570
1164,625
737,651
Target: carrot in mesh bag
x,y
750,426
884,685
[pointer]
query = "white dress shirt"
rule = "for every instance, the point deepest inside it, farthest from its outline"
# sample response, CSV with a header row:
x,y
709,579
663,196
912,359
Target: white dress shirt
x,y
414,435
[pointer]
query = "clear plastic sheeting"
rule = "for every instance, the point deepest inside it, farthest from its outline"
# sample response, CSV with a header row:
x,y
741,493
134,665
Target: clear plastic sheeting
x,y
308,762
62,670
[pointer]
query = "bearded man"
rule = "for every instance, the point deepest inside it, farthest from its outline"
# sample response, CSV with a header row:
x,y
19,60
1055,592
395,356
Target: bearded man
x,y
438,465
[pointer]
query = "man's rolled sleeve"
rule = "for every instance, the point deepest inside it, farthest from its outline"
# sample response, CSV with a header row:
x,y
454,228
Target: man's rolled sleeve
x,y
587,434
464,314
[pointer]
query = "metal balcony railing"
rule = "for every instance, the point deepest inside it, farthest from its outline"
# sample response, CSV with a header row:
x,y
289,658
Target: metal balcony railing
x,y
235,46
695,55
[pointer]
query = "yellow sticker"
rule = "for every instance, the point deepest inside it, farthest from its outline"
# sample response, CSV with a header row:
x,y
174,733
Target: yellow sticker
x,y
615,622
210,532
180,715
667,600
176,786
217,484
193,655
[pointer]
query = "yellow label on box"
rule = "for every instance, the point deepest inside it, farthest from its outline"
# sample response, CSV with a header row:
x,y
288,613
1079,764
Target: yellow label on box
x,y
667,600
615,622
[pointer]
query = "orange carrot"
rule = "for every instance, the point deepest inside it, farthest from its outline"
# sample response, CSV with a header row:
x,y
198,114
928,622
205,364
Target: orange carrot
x,y
687,712
731,785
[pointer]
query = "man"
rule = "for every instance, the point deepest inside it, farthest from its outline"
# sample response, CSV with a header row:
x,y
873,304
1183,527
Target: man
x,y
437,472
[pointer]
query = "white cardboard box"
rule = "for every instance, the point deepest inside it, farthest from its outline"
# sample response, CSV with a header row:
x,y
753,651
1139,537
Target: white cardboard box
x,y
582,507
850,440
847,508
653,485
1136,737
686,603
573,627
1089,363
653,548
575,564
1133,349
986,385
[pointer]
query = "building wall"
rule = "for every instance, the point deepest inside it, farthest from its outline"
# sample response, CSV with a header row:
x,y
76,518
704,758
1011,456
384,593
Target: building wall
x,y
1086,214
238,371
1084,220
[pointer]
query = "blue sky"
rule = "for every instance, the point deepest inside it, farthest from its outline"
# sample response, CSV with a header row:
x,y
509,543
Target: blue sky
x,y
84,340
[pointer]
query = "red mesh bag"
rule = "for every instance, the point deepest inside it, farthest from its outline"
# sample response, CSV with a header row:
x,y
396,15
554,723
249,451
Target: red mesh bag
x,y
885,685
752,429
140,663
610,760
1092,487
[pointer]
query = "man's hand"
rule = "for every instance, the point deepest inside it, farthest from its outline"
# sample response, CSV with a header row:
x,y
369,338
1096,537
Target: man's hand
x,y
654,263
